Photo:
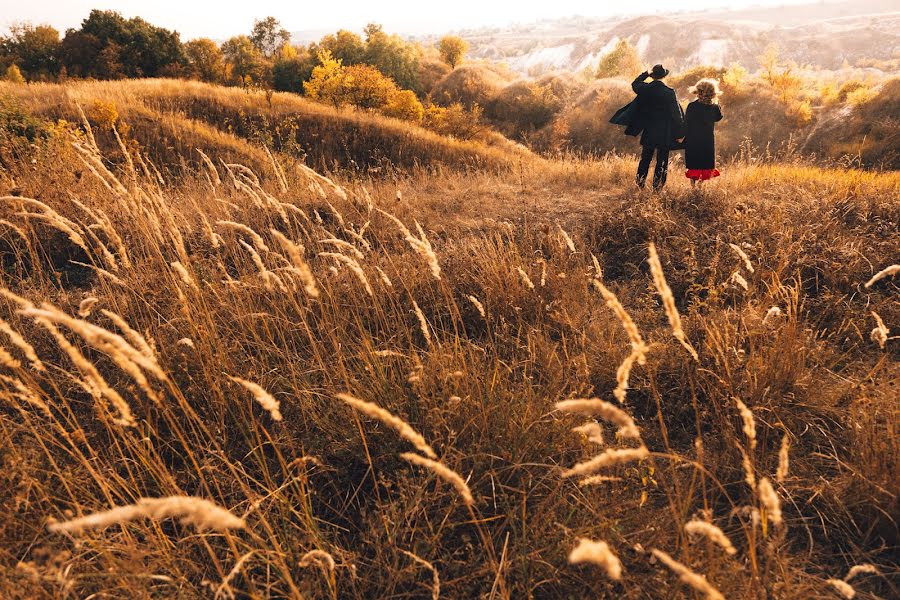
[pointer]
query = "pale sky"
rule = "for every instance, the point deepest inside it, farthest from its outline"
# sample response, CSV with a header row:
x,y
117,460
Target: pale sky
x,y
225,18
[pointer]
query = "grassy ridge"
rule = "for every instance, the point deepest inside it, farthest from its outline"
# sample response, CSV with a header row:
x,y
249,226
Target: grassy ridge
x,y
480,389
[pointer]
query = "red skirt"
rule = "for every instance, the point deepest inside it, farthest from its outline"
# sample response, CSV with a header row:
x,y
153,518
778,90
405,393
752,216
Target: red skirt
x,y
701,174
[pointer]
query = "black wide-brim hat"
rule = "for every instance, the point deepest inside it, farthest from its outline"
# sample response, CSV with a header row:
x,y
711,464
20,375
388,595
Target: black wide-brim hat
x,y
658,72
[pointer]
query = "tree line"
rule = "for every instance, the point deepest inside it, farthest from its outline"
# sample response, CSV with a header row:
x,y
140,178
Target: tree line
x,y
109,46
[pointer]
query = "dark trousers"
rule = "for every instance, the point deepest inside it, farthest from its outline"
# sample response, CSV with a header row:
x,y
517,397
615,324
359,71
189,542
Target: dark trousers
x,y
662,166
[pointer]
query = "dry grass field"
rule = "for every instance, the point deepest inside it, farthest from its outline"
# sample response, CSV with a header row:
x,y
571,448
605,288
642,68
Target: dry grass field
x,y
405,373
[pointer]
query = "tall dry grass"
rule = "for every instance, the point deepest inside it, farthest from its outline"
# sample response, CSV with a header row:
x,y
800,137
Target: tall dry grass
x,y
163,381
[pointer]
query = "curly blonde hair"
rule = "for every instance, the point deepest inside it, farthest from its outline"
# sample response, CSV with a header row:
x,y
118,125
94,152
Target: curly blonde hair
x,y
706,90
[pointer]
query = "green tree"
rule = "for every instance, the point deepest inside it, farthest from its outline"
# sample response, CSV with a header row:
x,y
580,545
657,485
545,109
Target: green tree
x,y
623,60
13,75
393,56
452,49
79,52
205,60
268,36
346,46
245,59
36,50
292,66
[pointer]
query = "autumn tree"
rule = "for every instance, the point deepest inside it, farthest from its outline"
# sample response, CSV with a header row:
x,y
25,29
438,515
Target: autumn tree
x,y
452,49
404,104
292,66
13,75
205,60
245,59
268,36
346,46
325,81
393,56
36,50
623,60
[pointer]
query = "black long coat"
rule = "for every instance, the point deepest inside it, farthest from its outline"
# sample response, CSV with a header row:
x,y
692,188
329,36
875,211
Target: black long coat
x,y
700,138
658,112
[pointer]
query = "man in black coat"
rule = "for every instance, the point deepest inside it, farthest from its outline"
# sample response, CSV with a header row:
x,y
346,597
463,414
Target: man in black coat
x,y
662,120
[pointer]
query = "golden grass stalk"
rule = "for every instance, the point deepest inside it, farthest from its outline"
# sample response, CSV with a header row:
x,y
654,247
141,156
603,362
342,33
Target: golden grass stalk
x,y
592,431
478,305
738,279
783,459
665,292
749,474
712,533
543,272
770,501
444,472
94,382
597,268
525,278
688,577
566,238
345,246
609,458
19,342
264,398
421,245
224,589
322,180
435,578
358,237
185,276
295,254
266,275
843,588
23,392
774,311
423,324
317,557
7,360
100,271
190,510
879,334
354,266
638,348
384,278
857,569
748,421
211,167
606,410
598,553
257,239
597,479
397,424
747,264
86,306
887,271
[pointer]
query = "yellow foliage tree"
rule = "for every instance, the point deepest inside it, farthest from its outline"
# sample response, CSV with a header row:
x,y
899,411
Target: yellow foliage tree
x,y
623,60
405,105
13,75
452,49
325,83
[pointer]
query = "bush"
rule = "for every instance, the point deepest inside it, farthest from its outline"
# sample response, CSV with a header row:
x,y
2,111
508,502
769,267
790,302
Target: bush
x,y
468,85
623,60
523,107
405,105
454,120
13,75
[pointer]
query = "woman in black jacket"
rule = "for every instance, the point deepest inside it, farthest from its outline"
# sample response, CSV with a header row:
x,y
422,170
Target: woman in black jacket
x,y
700,139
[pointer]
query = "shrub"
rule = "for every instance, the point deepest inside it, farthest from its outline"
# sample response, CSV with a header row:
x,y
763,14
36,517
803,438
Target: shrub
x,y
13,75
405,105
623,60
364,86
454,120
468,85
523,107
